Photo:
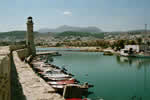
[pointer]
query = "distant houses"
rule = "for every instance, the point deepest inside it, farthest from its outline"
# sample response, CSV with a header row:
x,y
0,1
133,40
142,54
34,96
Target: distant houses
x,y
131,50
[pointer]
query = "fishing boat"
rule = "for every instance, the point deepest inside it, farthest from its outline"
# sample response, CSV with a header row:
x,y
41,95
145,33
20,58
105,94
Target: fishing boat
x,y
58,77
51,71
75,92
74,99
62,82
55,79
78,99
61,75
83,87
35,63
47,70
55,73
37,69
58,87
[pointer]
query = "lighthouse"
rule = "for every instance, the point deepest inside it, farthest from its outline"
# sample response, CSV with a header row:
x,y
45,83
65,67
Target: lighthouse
x,y
30,37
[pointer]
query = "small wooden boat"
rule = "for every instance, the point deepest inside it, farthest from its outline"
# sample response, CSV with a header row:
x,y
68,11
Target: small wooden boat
x,y
47,71
86,86
63,82
56,76
40,72
75,99
51,71
56,79
37,62
37,69
58,86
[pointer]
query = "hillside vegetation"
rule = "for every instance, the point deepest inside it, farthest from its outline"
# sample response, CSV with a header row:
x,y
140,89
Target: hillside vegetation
x,y
81,34
16,34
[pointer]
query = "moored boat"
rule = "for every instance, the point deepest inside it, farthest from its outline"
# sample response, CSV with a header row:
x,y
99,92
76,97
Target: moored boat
x,y
56,76
77,99
58,86
63,82
74,99
37,69
56,79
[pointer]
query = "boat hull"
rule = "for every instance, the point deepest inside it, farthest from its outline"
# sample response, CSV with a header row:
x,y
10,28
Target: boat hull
x,y
56,79
62,82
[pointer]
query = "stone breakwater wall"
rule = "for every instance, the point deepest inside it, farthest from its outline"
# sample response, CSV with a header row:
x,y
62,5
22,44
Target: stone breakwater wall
x,y
5,64
34,88
17,79
16,47
22,53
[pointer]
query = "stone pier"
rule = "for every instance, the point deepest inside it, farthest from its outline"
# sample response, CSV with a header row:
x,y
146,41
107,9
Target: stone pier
x,y
18,81
5,88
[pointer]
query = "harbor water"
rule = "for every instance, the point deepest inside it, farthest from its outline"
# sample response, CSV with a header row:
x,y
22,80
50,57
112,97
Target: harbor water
x,y
113,77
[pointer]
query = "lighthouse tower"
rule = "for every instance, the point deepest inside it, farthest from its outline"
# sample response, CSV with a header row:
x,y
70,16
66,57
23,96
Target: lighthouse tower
x,y
30,37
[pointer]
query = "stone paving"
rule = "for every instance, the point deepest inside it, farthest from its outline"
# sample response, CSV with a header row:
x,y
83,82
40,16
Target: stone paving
x,y
29,85
4,73
4,50
34,88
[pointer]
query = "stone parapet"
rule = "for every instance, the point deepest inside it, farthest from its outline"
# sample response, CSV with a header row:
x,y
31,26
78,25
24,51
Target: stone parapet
x,y
16,47
34,88
23,53
5,73
17,79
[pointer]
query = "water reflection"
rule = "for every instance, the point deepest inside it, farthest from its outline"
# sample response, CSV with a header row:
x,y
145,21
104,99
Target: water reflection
x,y
142,64
122,78
139,62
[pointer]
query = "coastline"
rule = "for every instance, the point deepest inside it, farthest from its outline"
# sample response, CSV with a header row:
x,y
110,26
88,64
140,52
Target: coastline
x,y
85,49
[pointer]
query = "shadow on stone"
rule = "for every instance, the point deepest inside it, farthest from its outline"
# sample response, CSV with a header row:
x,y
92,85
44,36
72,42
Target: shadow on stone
x,y
16,88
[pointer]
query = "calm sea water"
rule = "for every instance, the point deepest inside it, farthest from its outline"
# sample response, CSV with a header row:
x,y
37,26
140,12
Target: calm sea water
x,y
113,77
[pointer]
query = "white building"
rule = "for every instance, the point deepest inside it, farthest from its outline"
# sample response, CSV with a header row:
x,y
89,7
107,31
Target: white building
x,y
135,48
131,49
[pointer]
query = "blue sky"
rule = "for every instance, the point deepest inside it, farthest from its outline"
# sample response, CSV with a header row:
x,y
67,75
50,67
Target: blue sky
x,y
108,15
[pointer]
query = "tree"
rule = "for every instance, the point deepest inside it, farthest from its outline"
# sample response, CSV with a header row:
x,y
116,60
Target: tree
x,y
139,40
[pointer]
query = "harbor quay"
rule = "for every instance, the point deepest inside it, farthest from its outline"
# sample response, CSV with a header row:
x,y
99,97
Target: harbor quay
x,y
26,74
24,81
19,81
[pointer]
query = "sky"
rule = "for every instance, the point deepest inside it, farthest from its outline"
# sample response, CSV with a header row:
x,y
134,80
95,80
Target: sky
x,y
108,15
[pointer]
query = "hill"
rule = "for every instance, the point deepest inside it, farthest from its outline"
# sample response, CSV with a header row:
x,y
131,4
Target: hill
x,y
71,28
13,34
16,34
81,34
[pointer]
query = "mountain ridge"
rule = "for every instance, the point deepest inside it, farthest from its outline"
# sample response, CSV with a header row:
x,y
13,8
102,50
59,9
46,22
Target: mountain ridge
x,y
64,28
